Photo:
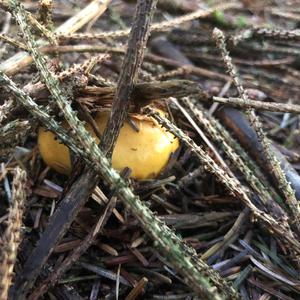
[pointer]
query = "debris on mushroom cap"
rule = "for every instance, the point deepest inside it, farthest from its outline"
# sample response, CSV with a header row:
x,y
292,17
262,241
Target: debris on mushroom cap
x,y
146,151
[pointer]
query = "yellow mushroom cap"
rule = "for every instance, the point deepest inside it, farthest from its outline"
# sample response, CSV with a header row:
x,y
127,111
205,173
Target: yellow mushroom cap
x,y
145,152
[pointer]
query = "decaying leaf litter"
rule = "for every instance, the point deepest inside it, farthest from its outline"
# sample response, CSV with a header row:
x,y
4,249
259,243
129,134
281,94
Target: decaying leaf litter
x,y
222,220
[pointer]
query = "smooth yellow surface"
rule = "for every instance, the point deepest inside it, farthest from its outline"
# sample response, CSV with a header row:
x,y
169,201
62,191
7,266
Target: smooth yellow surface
x,y
145,152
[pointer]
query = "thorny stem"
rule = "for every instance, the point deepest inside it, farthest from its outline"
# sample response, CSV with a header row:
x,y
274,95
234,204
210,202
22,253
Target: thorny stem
x,y
48,34
281,229
195,272
272,33
50,80
272,163
11,237
236,160
225,136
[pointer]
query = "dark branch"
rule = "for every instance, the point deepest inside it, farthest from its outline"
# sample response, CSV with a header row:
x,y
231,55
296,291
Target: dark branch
x,y
132,61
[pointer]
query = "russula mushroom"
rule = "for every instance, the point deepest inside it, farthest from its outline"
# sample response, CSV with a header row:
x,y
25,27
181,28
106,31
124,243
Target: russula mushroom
x,y
146,152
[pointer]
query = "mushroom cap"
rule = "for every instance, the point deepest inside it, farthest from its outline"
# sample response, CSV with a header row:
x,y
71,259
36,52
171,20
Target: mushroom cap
x,y
146,152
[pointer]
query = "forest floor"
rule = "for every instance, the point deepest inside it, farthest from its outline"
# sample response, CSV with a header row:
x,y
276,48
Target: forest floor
x,y
221,220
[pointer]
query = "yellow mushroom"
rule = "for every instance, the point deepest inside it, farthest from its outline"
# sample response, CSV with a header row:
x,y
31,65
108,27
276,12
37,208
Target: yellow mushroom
x,y
145,152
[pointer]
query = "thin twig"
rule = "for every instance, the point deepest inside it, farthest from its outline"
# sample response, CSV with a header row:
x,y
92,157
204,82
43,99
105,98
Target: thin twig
x,y
12,42
259,105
